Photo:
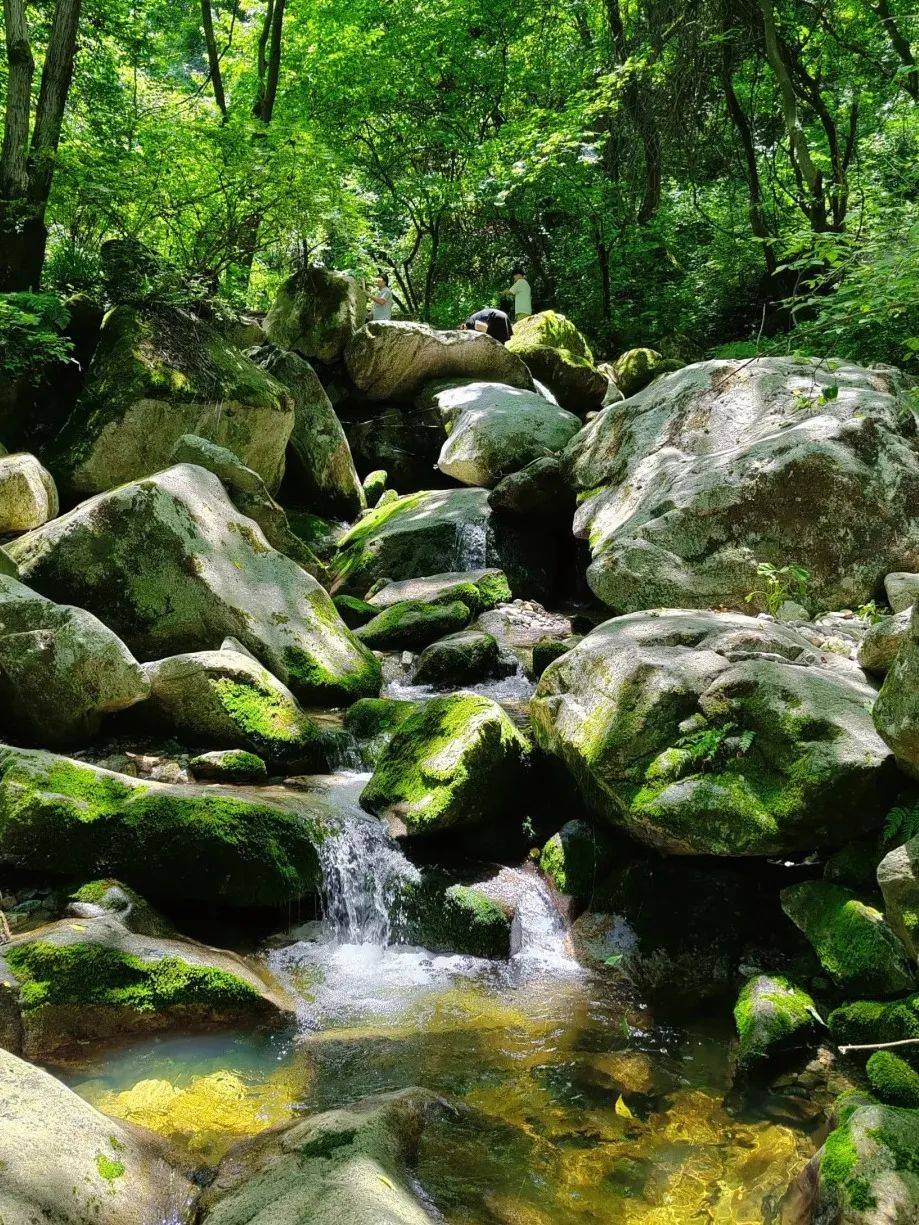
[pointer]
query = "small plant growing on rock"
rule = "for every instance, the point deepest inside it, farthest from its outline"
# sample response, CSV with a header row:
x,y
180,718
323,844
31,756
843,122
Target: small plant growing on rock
x,y
777,585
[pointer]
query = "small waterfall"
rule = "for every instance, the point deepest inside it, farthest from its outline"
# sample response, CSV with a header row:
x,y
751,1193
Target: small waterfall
x,y
471,547
540,939
364,875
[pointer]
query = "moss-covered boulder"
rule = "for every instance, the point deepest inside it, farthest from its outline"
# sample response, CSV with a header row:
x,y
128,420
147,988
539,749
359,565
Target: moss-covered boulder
x,y
902,590
898,877
882,641
354,611
92,978
316,312
67,818
466,658
351,1165
228,700
896,712
390,361
172,567
458,762
65,1162
155,376
686,489
374,721
229,766
320,469
576,859
772,1015
557,355
374,485
635,369
499,431
28,494
61,669
442,530
540,490
869,1021
547,651
452,918
108,896
715,733
866,1173
480,590
852,940
893,1079
412,624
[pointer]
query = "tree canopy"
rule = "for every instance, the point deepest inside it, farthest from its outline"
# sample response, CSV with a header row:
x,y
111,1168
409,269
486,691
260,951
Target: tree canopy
x,y
690,175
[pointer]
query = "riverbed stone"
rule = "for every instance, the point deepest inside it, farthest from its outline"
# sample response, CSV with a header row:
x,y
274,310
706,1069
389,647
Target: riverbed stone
x,y
228,700
61,669
902,590
687,487
170,565
896,711
65,1162
349,1165
576,858
772,1016
316,312
209,844
898,877
539,490
155,376
320,469
374,721
440,530
864,1174
391,360
480,589
28,494
412,624
374,485
864,1022
499,431
715,733
458,762
880,645
229,766
892,1079
852,940
465,658
92,978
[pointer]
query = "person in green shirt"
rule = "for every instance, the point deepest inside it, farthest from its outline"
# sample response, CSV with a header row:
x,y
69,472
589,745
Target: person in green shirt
x,y
521,293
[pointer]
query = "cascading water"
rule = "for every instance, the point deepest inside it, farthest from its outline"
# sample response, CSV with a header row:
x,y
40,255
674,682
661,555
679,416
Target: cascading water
x,y
471,547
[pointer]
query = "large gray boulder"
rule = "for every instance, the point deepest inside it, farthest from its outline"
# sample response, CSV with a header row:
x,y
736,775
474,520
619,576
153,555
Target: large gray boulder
x,y
320,470
63,1161
172,567
440,530
500,430
389,360
896,712
68,818
154,377
316,312
715,733
724,465
898,877
902,590
882,641
28,495
351,1165
61,669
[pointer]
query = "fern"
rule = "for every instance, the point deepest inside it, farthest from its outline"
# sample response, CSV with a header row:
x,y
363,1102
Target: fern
x,y
902,824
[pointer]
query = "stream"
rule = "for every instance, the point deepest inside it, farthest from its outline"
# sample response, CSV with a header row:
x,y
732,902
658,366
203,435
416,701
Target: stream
x,y
576,1105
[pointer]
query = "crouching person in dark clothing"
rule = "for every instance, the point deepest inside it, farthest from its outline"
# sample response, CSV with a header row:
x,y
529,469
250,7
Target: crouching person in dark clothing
x,y
490,321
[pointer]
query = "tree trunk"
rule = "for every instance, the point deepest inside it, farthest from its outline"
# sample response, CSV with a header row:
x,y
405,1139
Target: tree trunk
x,y
757,212
901,45
20,70
213,58
269,60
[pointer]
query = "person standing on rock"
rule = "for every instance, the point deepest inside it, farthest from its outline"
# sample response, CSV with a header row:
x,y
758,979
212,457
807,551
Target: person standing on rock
x,y
521,293
490,321
381,298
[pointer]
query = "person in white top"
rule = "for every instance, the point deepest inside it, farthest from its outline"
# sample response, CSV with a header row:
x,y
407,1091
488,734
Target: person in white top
x,y
381,298
522,295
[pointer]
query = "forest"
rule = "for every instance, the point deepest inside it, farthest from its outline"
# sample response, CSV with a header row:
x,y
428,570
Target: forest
x,y
717,176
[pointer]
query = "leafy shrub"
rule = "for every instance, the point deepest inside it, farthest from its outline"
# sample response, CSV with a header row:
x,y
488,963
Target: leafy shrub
x,y
31,339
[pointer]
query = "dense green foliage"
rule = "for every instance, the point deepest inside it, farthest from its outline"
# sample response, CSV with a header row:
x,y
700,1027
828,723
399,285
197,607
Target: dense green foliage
x,y
682,175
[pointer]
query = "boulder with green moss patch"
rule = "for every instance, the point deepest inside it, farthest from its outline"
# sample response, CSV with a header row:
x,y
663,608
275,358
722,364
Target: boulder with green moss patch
x,y
107,896
170,565
353,1165
893,1079
558,355
209,844
852,940
390,360
374,485
457,919
466,658
90,978
229,766
458,762
320,469
866,1173
479,589
155,376
412,624
65,1162
869,1021
772,1015
61,669
576,858
547,651
28,495
316,312
539,490
229,700
898,877
882,642
635,369
715,733
354,611
437,531
896,712
374,721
